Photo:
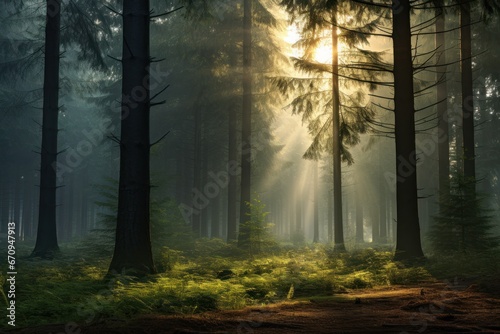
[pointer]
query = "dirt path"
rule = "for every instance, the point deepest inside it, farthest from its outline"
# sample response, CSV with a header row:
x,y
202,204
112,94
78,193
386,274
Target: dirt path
x,y
433,308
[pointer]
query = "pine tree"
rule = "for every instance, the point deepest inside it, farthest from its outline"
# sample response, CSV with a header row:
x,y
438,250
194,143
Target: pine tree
x,y
464,224
46,241
132,251
256,232
335,119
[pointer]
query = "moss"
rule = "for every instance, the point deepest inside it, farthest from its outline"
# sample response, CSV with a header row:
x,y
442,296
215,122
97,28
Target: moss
x,y
72,287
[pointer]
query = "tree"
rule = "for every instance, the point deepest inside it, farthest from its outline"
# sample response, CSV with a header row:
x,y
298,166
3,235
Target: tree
x,y
336,124
256,231
469,156
315,199
214,48
464,224
132,251
467,91
85,36
408,244
442,105
46,241
246,119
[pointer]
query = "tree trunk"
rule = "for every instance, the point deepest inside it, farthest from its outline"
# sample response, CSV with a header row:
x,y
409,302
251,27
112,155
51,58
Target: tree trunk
x,y
298,213
215,218
382,213
442,113
329,207
408,245
359,218
467,92
28,205
375,225
337,142
232,191
246,118
132,251
197,160
17,205
46,238
204,173
316,204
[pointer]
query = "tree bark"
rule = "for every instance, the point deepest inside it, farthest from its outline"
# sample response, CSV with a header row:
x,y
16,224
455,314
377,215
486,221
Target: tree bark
x,y
329,207
232,191
204,173
337,142
46,239
408,245
382,213
442,112
215,218
246,124
298,213
359,218
316,204
132,252
197,160
467,92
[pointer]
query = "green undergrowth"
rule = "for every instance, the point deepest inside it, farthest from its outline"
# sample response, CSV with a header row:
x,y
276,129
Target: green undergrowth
x,y
479,267
213,276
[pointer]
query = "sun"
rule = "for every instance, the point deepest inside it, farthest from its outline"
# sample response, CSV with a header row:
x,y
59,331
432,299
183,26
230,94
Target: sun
x,y
323,54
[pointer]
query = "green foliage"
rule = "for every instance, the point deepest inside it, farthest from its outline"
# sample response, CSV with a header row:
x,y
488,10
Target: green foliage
x,y
255,234
168,229
213,277
402,275
463,224
465,265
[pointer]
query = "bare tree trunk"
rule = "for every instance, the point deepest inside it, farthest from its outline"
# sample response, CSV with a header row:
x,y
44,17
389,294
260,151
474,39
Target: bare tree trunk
x,y
204,173
197,160
298,214
215,218
359,218
382,213
316,204
46,239
408,245
442,113
337,142
246,124
232,191
133,241
467,92
329,208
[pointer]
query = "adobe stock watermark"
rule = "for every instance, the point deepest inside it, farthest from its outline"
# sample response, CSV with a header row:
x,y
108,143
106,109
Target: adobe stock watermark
x,y
420,320
89,310
218,181
73,157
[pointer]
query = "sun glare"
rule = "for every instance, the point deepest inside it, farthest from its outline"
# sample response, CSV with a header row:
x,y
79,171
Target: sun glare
x,y
323,54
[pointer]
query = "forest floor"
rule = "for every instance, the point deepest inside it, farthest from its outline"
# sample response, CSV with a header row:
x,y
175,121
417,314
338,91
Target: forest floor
x,y
426,308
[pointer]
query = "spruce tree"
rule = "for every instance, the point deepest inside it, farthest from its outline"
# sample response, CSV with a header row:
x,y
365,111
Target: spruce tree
x,y
464,224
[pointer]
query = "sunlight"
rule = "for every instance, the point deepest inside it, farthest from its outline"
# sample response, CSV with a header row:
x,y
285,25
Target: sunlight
x,y
292,36
323,54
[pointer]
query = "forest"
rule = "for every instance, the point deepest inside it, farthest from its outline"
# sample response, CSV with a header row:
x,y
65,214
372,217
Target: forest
x,y
241,166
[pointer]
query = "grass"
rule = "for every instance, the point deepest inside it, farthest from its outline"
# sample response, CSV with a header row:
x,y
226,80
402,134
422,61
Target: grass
x,y
71,288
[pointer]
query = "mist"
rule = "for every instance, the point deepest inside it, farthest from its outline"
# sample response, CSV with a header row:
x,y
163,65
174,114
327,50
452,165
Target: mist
x,y
190,156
